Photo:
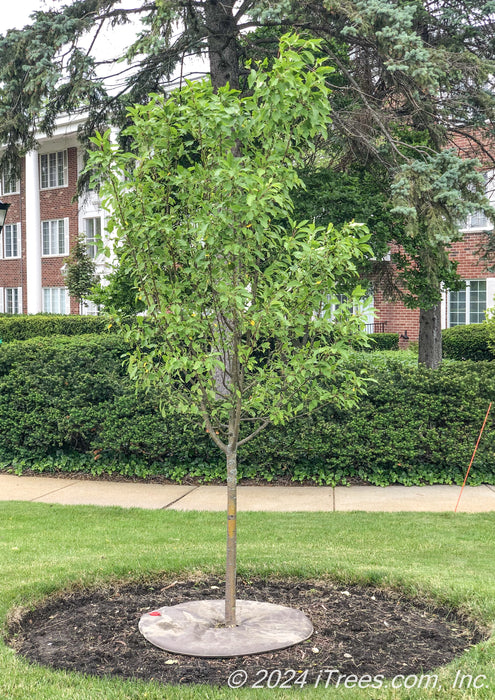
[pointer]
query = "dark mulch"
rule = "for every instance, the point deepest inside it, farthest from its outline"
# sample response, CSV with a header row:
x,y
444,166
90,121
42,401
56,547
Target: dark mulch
x,y
358,630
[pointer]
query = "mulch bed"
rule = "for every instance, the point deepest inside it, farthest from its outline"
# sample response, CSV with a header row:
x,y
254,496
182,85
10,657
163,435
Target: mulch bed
x,y
359,631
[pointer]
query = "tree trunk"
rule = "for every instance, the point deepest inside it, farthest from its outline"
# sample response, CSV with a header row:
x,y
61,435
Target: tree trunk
x,y
222,43
224,68
230,578
430,337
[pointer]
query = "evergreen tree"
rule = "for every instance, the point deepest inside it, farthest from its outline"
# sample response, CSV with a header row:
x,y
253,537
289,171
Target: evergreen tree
x,y
80,271
404,67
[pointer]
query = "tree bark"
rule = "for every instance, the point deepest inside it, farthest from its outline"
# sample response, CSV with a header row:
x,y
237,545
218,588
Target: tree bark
x,y
224,68
231,568
222,43
430,337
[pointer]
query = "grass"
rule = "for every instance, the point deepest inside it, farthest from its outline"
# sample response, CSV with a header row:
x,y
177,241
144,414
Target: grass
x,y
45,548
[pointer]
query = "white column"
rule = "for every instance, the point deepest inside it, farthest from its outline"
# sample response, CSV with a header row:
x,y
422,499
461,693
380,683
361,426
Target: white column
x,y
107,238
445,309
33,234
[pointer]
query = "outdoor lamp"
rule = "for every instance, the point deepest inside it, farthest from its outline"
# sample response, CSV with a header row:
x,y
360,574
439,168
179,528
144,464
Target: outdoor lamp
x,y
3,213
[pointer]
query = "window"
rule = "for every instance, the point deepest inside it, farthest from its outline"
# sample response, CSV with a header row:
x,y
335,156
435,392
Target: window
x,y
89,308
55,300
92,229
477,301
11,241
55,235
13,300
10,184
478,220
53,170
364,308
468,305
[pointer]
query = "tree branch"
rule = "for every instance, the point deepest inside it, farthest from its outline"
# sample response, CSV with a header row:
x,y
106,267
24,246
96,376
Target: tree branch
x,y
211,430
254,433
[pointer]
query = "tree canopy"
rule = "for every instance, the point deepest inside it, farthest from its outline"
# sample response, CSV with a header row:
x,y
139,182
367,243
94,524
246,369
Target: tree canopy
x,y
411,78
242,326
427,64
195,208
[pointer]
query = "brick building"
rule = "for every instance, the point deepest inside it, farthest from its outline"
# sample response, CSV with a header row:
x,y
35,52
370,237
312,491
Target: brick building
x,y
44,221
470,304
42,224
458,308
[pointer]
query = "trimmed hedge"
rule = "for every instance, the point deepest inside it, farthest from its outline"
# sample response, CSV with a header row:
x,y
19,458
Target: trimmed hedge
x,y
67,403
467,342
21,327
384,341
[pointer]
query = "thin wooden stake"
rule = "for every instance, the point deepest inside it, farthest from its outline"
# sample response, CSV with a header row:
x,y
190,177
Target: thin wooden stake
x,y
472,458
231,568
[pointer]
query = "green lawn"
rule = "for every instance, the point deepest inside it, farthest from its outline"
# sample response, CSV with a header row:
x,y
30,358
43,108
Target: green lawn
x,y
44,548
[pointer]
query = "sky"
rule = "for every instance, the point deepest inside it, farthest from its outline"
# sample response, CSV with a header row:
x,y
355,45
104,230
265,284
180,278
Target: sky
x,y
16,15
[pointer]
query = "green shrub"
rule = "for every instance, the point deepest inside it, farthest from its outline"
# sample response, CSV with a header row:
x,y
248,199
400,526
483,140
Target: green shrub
x,y
53,391
384,341
467,342
67,403
63,395
490,331
380,359
21,327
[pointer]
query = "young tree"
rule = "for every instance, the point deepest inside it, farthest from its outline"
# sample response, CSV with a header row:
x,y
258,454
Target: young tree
x,y
195,209
80,271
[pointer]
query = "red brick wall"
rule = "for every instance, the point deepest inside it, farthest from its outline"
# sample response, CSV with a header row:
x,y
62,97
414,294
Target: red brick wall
x,y
57,204
474,145
468,254
398,318
13,272
54,204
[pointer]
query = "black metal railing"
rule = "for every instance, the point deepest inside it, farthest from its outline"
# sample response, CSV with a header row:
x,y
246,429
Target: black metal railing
x,y
377,327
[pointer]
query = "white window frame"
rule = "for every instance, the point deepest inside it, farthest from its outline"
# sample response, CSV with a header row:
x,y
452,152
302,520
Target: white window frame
x,y
484,223
12,292
61,162
89,308
62,294
3,253
93,240
473,225
6,179
467,312
51,223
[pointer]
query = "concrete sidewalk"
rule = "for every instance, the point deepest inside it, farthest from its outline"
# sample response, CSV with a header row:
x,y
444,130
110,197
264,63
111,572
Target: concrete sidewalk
x,y
475,499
